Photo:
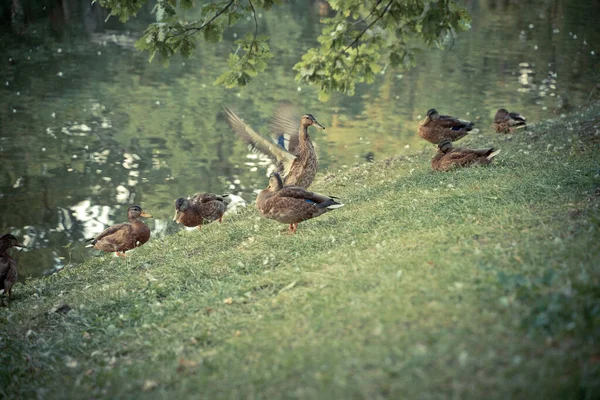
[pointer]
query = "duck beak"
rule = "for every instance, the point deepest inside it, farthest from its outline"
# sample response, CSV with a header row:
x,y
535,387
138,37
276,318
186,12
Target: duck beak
x,y
176,215
145,215
318,125
20,245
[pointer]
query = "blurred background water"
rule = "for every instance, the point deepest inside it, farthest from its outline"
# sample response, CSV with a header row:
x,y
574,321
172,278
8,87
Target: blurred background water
x,y
88,126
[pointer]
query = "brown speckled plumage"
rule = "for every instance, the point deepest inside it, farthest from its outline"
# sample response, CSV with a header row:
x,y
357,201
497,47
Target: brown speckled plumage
x,y
203,208
122,237
449,157
299,165
435,127
292,204
8,266
506,122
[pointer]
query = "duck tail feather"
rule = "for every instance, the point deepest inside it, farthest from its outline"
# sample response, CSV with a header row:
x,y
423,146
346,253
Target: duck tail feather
x,y
493,154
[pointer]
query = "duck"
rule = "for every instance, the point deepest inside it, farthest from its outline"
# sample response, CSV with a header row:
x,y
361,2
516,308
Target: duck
x,y
8,266
506,122
449,157
290,204
123,237
299,163
435,127
202,208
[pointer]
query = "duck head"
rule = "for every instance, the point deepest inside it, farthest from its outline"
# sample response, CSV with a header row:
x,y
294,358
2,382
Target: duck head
x,y
501,113
7,241
181,204
134,212
308,120
445,145
275,182
433,114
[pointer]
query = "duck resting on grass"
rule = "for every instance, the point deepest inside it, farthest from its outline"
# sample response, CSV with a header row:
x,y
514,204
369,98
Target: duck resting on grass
x,y
299,165
203,208
122,237
506,122
8,266
292,204
449,157
435,127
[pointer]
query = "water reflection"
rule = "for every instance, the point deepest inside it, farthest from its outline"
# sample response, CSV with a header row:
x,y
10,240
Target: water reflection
x,y
89,127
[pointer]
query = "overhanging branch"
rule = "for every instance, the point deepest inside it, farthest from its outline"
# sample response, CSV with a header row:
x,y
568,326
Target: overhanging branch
x,y
197,29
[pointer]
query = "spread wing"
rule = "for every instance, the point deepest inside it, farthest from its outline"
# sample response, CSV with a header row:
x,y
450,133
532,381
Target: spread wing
x,y
260,143
283,126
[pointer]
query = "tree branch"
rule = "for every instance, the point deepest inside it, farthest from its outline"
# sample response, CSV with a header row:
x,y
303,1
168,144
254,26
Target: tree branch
x,y
355,41
370,25
371,13
255,24
204,25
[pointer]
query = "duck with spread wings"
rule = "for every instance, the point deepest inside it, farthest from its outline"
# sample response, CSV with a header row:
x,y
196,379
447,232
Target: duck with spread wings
x,y
298,163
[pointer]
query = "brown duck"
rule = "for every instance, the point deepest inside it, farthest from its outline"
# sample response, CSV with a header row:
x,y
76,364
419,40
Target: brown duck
x,y
299,164
122,237
435,127
8,266
449,157
292,204
203,208
506,122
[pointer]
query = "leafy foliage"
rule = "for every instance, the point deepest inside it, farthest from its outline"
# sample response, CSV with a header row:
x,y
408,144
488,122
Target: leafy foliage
x,y
361,39
242,68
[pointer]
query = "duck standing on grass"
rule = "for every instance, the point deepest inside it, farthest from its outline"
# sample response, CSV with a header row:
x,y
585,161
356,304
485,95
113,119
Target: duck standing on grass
x,y
8,266
292,204
203,208
435,127
122,237
506,122
299,165
449,157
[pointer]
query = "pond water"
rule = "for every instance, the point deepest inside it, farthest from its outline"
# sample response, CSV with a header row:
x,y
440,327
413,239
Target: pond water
x,y
88,126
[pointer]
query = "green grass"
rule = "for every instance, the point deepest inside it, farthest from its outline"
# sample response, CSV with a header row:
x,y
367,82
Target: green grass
x,y
477,283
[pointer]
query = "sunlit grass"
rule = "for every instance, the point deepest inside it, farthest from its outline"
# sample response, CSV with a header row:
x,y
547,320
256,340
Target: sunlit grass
x,y
476,283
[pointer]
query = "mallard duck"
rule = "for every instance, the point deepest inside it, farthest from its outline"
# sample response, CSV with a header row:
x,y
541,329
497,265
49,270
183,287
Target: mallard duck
x,y
299,164
122,237
449,157
505,122
435,127
203,208
292,204
8,266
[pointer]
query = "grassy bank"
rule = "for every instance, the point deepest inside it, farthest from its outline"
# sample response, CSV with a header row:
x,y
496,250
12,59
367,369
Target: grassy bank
x,y
476,283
